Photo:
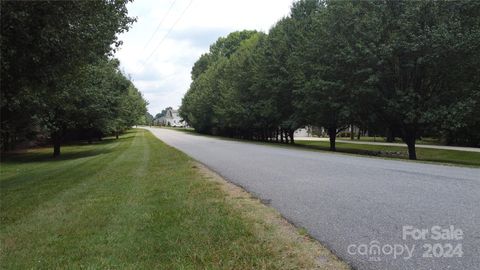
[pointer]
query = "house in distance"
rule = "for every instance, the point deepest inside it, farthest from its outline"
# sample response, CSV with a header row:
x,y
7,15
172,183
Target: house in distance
x,y
169,117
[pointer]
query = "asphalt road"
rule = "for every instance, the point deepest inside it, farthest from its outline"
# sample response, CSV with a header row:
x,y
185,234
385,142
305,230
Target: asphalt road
x,y
354,204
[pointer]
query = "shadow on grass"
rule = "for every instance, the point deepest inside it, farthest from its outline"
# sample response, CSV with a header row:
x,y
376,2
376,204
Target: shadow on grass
x,y
46,154
363,152
69,151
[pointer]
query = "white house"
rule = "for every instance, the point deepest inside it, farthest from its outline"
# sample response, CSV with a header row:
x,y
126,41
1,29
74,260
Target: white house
x,y
304,132
171,118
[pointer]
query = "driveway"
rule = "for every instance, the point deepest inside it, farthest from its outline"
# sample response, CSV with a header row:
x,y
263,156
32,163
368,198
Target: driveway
x,y
355,204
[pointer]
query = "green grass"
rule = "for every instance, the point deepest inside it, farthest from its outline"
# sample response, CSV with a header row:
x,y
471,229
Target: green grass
x,y
423,154
426,140
132,203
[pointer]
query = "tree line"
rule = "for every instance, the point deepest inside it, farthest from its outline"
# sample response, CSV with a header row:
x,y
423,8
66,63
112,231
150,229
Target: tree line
x,y
59,79
399,68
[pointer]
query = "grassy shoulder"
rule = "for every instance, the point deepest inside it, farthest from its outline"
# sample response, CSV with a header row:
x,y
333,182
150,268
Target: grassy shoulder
x,y
423,154
425,140
137,203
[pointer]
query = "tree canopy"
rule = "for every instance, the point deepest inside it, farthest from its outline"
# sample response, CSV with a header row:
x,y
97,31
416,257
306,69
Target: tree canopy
x,y
410,68
58,74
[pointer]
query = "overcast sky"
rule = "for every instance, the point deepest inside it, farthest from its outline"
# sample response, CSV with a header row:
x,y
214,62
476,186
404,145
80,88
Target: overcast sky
x,y
159,50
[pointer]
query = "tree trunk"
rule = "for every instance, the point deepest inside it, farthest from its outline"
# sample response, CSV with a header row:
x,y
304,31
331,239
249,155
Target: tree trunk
x,y
390,137
332,133
6,145
56,149
292,140
449,138
358,135
57,142
410,141
286,136
352,135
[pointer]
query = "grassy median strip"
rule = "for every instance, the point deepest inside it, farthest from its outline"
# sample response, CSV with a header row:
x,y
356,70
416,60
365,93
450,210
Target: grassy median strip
x,y
137,203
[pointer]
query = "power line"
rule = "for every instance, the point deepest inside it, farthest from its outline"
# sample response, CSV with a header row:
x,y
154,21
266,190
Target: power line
x,y
168,32
159,24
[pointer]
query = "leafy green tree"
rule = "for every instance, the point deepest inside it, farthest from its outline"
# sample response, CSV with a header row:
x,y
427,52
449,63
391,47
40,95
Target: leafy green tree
x,y
97,99
427,62
278,71
200,66
200,100
324,59
400,68
42,44
239,106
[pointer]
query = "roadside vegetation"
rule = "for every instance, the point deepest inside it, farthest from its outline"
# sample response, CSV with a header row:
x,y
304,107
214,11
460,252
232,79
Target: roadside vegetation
x,y
423,140
136,203
406,69
423,154
59,79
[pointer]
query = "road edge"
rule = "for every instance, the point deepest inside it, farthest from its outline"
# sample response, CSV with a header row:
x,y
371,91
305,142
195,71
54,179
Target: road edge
x,y
295,240
271,225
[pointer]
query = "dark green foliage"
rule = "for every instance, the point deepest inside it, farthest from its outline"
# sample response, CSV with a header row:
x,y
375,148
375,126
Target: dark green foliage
x,y
148,119
400,68
57,75
427,64
210,105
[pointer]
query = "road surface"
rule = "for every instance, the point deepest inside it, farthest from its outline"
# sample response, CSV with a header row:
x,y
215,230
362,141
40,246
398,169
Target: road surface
x,y
431,146
355,204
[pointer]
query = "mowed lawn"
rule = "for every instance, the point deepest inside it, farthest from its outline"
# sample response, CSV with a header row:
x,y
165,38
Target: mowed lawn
x,y
131,203
423,154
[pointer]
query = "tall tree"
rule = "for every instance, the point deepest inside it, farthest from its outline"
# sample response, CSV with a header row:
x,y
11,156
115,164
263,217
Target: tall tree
x,y
324,77
200,100
402,66
278,75
42,43
427,60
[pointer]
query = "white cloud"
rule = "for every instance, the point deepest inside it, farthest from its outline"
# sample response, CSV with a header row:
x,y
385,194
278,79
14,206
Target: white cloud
x,y
161,68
